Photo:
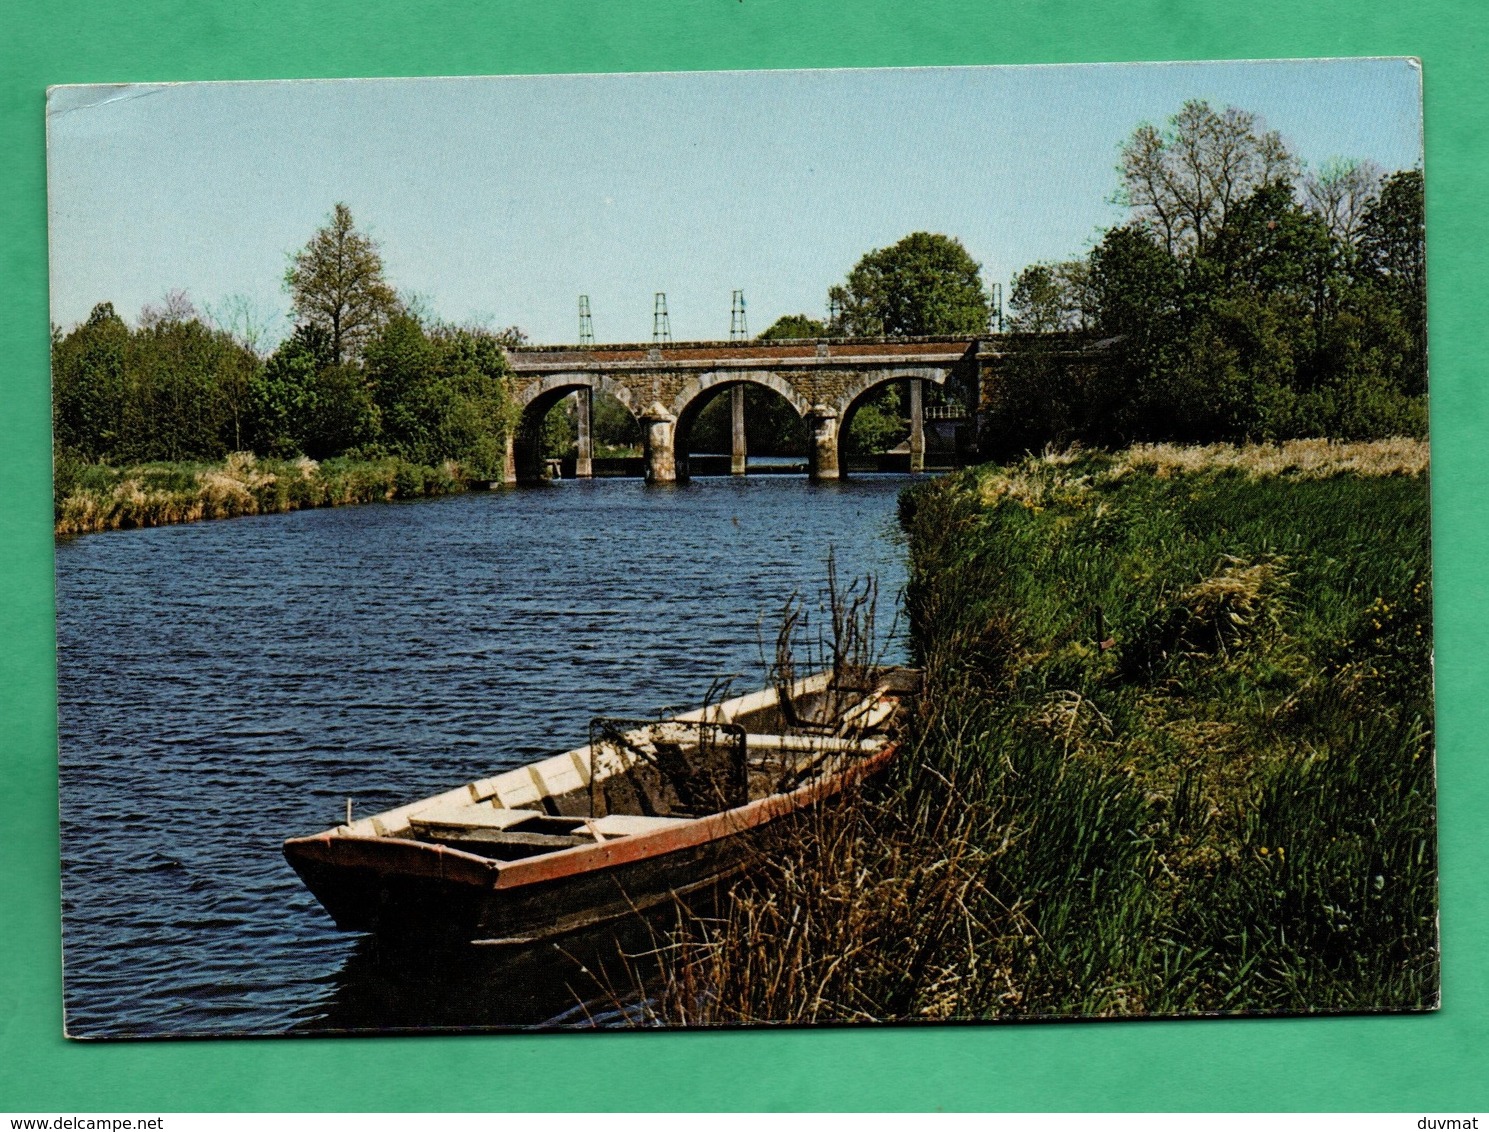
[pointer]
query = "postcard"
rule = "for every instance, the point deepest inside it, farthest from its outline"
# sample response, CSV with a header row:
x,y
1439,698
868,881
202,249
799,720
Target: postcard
x,y
742,548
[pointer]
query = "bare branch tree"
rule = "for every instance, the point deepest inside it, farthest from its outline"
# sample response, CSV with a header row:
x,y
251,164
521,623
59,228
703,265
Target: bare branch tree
x,y
1182,182
1340,193
254,325
175,306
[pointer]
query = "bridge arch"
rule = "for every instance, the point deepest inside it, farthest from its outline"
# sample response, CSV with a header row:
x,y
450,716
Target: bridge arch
x,y
698,391
699,394
555,386
534,402
864,386
870,381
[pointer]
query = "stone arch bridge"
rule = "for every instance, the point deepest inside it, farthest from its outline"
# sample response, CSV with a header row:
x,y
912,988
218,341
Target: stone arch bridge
x,y
666,387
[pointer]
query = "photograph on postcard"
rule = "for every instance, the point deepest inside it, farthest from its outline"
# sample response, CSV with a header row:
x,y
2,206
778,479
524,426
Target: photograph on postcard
x,y
730,548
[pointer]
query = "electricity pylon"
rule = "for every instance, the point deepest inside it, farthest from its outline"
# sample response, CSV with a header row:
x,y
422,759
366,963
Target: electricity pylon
x,y
586,326
661,327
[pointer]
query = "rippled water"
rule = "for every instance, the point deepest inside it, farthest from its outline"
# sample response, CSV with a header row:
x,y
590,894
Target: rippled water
x,y
226,685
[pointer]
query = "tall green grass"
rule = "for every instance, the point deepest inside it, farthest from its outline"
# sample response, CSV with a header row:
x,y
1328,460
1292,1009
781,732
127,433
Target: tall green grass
x,y
1174,755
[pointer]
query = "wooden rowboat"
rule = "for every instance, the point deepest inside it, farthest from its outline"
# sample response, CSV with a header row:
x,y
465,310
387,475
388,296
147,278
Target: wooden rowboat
x,y
647,810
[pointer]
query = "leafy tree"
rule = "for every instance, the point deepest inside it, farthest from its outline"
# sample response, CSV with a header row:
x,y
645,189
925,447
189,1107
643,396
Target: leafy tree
x,y
1393,260
336,282
91,410
924,285
441,394
411,399
1392,233
793,326
1051,296
481,410
1134,286
306,403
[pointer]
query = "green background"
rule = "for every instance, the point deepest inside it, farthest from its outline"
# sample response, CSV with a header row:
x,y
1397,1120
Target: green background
x,y
1437,1062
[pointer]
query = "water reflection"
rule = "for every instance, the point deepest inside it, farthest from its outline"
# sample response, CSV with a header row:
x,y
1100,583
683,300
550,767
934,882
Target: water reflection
x,y
599,977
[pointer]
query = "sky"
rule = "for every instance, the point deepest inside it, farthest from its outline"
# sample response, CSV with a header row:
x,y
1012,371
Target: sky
x,y
501,200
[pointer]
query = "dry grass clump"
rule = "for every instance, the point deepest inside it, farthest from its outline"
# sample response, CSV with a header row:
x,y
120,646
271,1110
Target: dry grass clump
x,y
1298,459
853,916
1065,477
1035,484
1235,599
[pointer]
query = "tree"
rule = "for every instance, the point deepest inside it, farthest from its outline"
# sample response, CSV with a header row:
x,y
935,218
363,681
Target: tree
x,y
90,396
1051,296
1393,254
255,325
1391,235
175,306
336,282
193,386
1182,182
925,284
441,394
1134,285
1340,194
793,326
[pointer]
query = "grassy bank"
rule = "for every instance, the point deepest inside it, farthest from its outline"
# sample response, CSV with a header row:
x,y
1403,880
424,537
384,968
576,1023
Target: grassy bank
x,y
95,497
1175,756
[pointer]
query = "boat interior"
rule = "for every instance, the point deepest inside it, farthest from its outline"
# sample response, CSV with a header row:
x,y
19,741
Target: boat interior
x,y
639,776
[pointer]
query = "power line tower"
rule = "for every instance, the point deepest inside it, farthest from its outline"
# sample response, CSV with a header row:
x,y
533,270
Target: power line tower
x,y
661,327
995,309
738,331
586,326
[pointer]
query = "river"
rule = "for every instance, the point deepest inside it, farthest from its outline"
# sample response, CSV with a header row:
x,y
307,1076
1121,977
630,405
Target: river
x,y
225,685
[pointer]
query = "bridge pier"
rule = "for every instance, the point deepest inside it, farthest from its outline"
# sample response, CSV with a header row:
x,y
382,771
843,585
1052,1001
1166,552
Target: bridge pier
x,y
739,454
509,460
584,465
660,444
917,425
822,460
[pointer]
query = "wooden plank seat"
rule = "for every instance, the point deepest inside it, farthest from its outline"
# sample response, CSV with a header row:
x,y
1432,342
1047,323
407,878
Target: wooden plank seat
x,y
812,743
456,818
492,826
624,825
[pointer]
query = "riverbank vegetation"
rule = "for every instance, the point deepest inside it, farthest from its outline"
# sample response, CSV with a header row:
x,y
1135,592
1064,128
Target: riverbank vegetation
x,y
181,416
1174,756
96,497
